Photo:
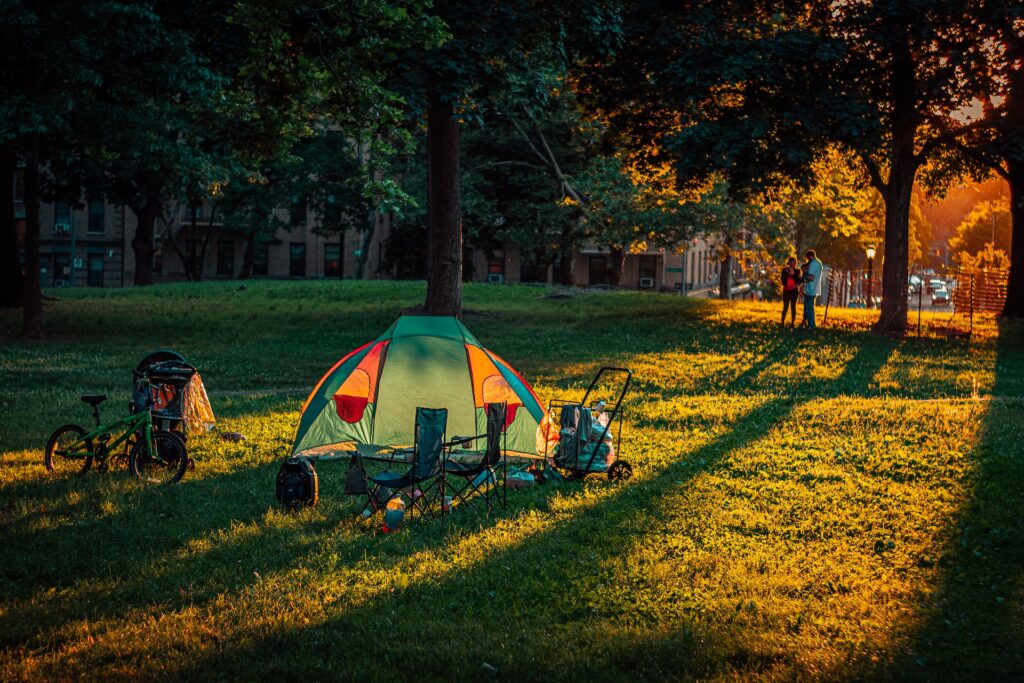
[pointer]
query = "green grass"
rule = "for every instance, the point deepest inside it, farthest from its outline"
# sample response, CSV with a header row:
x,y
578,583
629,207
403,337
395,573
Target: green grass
x,y
837,506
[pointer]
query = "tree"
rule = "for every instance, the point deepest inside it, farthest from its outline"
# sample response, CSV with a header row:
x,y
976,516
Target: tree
x,y
489,44
988,224
997,142
336,67
60,63
10,269
757,91
987,257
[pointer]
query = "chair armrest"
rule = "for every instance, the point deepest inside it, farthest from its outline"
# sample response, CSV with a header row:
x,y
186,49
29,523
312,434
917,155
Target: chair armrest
x,y
462,440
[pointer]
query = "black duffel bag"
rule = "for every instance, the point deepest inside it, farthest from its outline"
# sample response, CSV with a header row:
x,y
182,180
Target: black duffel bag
x,y
297,484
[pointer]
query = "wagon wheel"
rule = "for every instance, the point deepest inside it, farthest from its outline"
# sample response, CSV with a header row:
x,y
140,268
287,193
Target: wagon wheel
x,y
620,471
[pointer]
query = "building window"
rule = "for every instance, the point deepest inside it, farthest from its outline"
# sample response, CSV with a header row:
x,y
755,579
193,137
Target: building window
x,y
61,269
95,273
261,257
496,267
598,267
297,211
61,218
97,216
648,268
226,258
297,259
332,260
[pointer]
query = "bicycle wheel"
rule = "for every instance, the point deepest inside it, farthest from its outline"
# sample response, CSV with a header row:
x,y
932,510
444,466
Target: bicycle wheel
x,y
62,438
164,466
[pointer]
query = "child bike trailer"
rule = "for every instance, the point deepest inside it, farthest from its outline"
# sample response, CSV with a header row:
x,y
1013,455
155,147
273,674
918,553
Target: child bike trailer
x,y
176,395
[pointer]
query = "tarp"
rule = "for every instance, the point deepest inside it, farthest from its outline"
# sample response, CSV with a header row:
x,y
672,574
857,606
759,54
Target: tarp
x,y
370,396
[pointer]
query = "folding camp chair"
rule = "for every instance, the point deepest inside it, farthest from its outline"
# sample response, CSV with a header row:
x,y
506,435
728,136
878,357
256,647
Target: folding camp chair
x,y
427,472
482,475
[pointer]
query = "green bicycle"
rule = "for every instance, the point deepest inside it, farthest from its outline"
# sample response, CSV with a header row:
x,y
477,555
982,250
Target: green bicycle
x,y
154,455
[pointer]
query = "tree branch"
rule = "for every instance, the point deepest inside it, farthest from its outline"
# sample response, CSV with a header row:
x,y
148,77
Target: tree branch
x,y
554,163
949,136
874,174
491,164
982,159
529,140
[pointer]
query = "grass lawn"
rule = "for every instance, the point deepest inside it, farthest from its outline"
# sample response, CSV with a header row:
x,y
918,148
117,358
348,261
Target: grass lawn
x,y
835,505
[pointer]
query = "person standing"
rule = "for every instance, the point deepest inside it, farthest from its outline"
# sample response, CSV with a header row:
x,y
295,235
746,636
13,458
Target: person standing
x,y
791,277
811,287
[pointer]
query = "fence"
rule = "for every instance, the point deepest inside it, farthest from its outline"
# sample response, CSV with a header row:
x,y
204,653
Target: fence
x,y
965,296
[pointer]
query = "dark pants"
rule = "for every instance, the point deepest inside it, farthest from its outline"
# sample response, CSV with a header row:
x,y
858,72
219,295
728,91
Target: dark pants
x,y
789,304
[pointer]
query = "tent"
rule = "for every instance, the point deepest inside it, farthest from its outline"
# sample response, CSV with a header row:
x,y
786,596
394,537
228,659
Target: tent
x,y
370,396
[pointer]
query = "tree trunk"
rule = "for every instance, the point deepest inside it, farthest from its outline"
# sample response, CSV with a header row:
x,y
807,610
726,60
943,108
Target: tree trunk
x,y
206,243
371,224
364,249
10,269
567,258
897,193
1014,307
616,265
142,242
32,293
896,256
725,278
248,256
444,234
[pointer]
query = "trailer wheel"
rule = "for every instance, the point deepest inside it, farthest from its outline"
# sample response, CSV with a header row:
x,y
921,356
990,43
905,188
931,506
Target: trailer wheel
x,y
620,471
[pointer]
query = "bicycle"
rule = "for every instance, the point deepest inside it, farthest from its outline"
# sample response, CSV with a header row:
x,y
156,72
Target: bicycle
x,y
154,455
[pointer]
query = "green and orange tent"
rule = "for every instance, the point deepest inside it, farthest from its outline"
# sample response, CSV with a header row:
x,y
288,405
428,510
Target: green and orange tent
x,y
370,396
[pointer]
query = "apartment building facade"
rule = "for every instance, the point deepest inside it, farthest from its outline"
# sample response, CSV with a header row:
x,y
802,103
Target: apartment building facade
x,y
89,245
657,270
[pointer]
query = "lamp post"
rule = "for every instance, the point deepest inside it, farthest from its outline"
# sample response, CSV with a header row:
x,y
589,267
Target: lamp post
x,y
871,259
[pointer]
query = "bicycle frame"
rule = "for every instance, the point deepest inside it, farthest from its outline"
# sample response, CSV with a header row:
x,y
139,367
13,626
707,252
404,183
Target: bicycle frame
x,y
131,424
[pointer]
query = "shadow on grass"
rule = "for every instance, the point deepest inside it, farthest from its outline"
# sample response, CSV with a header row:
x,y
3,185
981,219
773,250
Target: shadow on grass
x,y
529,626
974,623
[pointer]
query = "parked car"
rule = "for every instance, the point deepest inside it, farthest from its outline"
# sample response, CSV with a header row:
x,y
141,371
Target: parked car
x,y
940,297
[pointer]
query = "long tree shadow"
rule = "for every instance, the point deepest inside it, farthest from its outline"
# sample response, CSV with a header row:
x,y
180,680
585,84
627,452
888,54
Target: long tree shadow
x,y
973,625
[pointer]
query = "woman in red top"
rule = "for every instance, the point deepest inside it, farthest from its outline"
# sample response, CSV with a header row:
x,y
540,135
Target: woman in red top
x,y
791,278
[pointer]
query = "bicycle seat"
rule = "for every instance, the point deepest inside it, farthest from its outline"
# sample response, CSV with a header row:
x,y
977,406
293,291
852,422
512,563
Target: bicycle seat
x,y
94,400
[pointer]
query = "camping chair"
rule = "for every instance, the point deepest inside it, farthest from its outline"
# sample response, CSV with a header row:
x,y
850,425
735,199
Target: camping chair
x,y
482,475
427,465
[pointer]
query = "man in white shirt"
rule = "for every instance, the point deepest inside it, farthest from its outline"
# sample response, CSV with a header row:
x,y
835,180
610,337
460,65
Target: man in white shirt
x,y
812,286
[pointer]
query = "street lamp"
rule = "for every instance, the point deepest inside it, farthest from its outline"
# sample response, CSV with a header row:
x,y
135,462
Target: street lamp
x,y
871,259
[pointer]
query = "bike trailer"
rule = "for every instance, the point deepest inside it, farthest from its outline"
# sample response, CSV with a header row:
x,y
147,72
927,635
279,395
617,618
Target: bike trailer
x,y
176,395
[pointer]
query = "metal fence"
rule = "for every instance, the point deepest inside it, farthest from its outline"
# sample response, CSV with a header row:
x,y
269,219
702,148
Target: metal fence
x,y
968,294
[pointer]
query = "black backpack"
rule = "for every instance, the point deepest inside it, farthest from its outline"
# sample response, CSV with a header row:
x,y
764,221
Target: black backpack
x,y
297,484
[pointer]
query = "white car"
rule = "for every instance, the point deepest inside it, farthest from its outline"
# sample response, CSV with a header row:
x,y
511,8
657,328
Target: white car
x,y
940,297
